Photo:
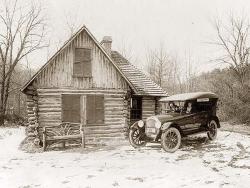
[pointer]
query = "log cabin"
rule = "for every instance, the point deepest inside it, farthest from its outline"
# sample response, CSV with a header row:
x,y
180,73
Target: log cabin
x,y
87,82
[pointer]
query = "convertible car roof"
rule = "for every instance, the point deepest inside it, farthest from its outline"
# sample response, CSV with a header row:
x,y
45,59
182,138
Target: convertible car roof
x,y
189,96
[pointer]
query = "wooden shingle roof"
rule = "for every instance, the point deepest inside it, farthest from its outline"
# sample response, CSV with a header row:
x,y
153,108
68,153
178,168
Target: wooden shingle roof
x,y
142,84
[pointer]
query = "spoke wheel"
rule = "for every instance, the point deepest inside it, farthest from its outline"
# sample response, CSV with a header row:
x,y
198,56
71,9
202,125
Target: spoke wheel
x,y
135,138
212,130
171,140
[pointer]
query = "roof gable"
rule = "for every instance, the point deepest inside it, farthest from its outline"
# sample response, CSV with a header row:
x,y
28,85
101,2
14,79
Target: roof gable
x,y
68,42
139,83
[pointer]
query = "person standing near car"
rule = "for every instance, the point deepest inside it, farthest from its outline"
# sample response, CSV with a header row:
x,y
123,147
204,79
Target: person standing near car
x,y
189,108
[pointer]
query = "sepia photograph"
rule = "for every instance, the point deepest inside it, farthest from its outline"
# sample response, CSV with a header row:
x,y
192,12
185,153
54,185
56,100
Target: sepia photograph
x,y
124,93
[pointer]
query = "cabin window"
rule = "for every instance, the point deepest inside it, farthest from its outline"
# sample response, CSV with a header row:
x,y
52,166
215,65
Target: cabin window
x,y
82,62
71,108
95,109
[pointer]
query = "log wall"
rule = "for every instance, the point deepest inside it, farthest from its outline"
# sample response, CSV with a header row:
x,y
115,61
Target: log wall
x,y
115,113
148,107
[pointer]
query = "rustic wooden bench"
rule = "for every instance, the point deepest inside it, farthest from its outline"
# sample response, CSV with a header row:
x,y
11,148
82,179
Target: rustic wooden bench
x,y
65,132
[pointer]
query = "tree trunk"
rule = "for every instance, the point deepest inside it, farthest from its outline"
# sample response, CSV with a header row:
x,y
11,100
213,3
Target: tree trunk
x,y
2,114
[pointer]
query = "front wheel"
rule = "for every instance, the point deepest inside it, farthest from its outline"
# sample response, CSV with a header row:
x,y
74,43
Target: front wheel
x,y
212,130
171,140
136,138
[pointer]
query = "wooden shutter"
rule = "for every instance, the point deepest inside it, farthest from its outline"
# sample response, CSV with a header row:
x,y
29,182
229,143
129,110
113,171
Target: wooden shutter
x,y
71,108
95,109
99,107
82,63
90,109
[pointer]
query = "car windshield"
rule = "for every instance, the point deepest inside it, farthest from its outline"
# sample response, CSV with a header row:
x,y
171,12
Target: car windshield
x,y
169,107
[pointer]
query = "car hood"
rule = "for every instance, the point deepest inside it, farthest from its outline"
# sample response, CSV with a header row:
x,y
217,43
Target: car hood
x,y
169,117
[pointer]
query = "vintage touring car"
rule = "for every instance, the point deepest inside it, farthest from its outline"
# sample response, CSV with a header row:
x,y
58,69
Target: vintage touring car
x,y
181,115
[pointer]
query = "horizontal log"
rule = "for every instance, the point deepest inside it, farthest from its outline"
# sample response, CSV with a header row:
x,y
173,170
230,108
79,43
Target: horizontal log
x,y
62,90
114,108
32,118
111,112
104,127
110,131
104,134
113,99
114,119
44,118
121,122
49,110
120,117
66,137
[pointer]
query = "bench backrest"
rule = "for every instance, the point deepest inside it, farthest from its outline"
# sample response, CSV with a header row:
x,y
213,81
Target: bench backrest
x,y
65,128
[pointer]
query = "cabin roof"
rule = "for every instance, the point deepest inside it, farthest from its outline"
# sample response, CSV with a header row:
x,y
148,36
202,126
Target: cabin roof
x,y
143,84
189,96
139,83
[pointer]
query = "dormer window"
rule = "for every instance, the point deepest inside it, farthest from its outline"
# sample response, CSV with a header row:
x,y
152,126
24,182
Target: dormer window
x,y
82,62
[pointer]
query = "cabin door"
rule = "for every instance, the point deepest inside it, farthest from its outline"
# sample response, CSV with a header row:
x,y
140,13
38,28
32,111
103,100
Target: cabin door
x,y
136,109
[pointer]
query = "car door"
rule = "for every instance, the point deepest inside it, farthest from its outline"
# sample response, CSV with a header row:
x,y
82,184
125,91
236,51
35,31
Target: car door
x,y
187,122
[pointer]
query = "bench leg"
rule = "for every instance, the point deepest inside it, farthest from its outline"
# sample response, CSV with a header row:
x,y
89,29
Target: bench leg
x,y
44,142
83,140
63,144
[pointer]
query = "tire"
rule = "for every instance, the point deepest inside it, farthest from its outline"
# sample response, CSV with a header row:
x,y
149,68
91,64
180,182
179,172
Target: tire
x,y
135,138
171,140
212,129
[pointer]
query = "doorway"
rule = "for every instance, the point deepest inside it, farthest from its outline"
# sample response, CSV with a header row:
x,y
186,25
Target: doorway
x,y
136,109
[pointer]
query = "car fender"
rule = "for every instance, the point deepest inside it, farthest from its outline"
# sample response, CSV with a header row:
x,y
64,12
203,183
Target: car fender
x,y
216,119
135,125
166,125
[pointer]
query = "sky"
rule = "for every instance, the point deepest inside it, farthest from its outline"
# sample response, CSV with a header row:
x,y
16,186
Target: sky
x,y
185,27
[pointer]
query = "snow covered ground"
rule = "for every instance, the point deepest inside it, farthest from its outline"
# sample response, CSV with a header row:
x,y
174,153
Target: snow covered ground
x,y
199,163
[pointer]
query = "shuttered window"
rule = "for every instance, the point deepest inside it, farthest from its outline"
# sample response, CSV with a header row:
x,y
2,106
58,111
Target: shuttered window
x,y
71,108
95,109
82,62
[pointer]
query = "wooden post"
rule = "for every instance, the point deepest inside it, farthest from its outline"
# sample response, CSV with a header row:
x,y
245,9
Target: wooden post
x,y
44,138
83,135
83,119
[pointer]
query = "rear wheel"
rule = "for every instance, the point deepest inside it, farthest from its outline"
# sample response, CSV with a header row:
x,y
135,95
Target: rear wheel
x,y
136,138
212,129
171,140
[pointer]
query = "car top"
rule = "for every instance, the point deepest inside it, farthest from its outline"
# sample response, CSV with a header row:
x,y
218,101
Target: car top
x,y
190,96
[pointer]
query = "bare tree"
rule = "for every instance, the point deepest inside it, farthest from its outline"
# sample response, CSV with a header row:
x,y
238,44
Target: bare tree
x,y
126,51
189,73
22,30
72,22
164,69
159,64
233,38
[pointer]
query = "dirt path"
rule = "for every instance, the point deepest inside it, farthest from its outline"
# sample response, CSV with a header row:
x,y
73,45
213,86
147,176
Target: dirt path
x,y
199,163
